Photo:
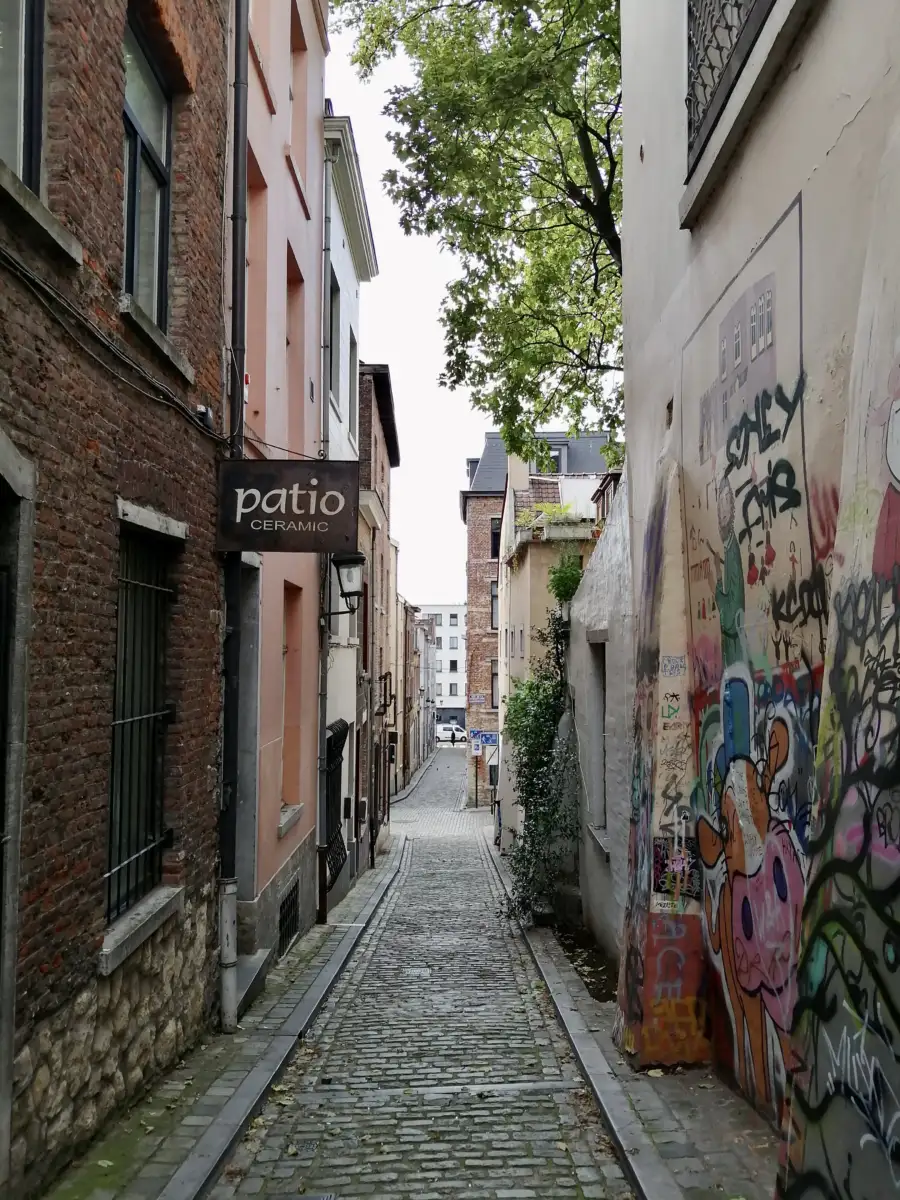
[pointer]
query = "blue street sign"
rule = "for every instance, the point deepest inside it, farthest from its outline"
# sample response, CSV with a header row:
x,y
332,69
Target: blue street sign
x,y
490,739
474,733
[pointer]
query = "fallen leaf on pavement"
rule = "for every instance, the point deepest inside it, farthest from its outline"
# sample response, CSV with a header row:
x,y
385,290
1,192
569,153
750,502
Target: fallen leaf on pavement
x,y
656,1074
104,1162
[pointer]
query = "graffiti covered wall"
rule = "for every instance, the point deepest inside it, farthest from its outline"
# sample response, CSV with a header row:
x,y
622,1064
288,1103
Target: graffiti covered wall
x,y
662,1016
842,1131
758,582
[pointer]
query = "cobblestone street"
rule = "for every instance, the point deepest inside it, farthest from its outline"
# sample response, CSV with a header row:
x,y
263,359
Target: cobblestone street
x,y
437,1067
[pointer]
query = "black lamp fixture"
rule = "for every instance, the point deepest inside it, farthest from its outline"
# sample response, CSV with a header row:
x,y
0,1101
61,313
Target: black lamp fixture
x,y
349,567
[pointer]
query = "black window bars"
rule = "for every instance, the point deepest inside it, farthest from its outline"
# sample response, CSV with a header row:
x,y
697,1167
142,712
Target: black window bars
x,y
141,716
721,34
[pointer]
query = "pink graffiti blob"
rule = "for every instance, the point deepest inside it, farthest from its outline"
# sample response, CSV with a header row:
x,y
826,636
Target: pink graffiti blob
x,y
766,910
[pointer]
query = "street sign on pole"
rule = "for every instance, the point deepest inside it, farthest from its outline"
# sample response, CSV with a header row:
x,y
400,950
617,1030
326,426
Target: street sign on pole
x,y
476,747
489,739
474,734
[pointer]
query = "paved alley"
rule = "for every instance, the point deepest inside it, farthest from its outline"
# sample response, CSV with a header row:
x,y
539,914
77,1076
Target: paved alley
x,y
437,1067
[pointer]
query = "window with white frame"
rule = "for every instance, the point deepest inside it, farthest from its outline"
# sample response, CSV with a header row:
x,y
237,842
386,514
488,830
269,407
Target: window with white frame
x,y
454,643
752,332
454,689
737,344
769,330
334,327
454,618
354,386
21,72
148,137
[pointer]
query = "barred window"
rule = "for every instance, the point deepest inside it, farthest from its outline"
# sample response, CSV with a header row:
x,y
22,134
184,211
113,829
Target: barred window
x,y
720,35
141,716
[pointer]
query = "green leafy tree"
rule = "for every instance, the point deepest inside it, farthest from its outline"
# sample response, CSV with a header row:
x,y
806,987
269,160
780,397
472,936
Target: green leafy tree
x,y
508,142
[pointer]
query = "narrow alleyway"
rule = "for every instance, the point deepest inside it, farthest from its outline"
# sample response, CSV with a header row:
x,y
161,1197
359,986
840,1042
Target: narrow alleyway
x,y
437,1067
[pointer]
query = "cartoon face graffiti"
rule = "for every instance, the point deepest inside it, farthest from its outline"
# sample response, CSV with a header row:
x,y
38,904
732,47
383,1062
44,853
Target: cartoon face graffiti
x,y
751,852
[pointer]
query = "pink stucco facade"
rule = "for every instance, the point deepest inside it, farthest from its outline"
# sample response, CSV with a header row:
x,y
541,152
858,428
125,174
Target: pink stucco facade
x,y
283,414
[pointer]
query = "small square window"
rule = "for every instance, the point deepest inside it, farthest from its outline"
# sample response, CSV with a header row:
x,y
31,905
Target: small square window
x,y
454,689
454,643
454,618
439,643
454,664
438,618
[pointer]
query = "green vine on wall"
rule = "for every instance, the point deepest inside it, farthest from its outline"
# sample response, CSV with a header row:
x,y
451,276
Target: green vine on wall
x,y
541,764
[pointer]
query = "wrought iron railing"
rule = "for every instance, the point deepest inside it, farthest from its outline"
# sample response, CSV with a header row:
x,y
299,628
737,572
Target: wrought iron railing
x,y
721,34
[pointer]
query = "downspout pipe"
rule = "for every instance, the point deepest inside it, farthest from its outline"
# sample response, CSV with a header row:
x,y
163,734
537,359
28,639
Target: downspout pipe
x,y
373,768
232,648
324,559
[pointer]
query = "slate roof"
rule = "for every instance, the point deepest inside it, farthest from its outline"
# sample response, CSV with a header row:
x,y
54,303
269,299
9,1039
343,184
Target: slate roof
x,y
584,456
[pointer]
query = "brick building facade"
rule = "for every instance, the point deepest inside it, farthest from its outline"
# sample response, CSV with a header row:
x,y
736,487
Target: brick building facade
x,y
111,340
481,511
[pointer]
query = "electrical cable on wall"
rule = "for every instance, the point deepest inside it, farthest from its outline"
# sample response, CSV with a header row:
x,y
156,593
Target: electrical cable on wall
x,y
41,290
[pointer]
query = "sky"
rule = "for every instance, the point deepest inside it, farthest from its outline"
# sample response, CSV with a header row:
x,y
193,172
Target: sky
x,y
399,325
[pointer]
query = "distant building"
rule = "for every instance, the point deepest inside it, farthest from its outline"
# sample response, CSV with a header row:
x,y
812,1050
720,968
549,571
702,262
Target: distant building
x,y
450,661
481,508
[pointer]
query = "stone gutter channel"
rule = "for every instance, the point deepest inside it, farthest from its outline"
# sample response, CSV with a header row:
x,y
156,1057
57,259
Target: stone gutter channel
x,y
641,1160
201,1168
406,792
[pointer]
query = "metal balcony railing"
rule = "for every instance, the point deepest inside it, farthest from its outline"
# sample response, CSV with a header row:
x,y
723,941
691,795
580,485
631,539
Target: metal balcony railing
x,y
721,34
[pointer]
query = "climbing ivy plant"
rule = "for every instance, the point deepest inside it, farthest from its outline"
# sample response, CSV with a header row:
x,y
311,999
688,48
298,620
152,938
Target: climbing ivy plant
x,y
541,764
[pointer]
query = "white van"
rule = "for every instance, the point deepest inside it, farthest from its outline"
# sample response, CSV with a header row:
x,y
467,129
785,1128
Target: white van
x,y
444,733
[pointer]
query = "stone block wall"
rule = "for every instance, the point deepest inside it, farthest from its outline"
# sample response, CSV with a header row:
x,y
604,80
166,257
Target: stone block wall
x,y
99,1051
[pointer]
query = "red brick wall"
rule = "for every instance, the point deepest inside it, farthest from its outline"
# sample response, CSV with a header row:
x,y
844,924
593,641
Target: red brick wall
x,y
93,436
483,642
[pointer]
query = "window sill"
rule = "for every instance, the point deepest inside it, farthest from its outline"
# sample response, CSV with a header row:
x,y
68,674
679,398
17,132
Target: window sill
x,y
136,317
290,815
37,217
757,76
298,180
600,838
131,931
260,63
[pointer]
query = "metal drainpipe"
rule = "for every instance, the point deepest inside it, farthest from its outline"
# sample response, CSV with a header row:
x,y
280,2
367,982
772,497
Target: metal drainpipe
x,y
324,559
232,648
373,826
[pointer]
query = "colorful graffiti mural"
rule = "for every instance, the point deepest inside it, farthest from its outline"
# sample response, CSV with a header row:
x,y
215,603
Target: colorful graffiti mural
x,y
842,1128
662,1010
758,612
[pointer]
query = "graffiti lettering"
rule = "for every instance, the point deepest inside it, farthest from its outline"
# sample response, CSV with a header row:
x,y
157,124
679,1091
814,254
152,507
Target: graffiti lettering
x,y
673,664
777,493
797,604
756,424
